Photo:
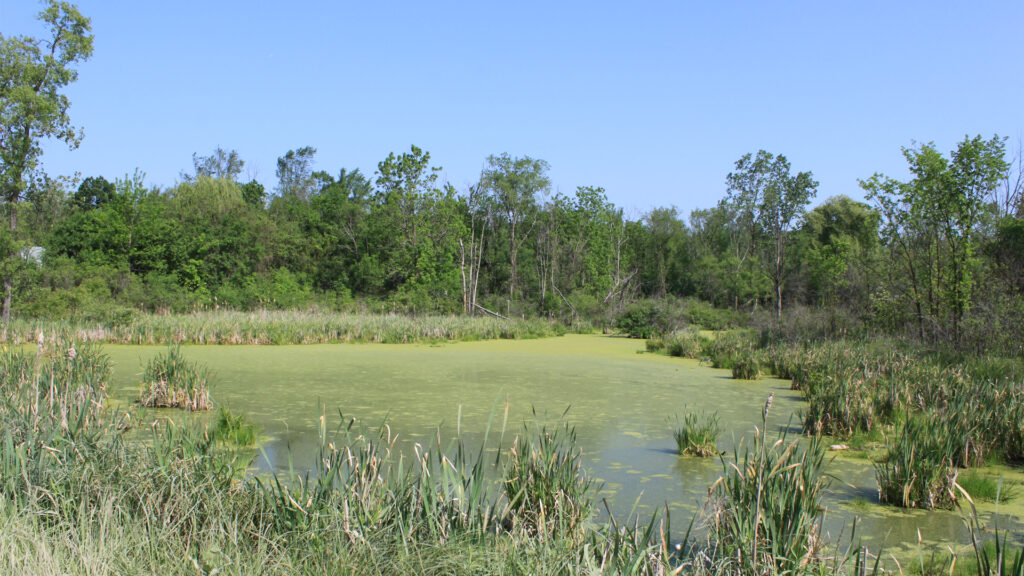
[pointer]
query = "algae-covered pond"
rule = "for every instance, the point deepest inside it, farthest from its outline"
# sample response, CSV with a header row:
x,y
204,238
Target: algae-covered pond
x,y
619,399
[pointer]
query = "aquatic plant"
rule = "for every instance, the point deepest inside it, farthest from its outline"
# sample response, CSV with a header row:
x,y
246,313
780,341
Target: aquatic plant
x,y
746,368
767,505
697,434
683,344
547,491
233,428
918,471
171,381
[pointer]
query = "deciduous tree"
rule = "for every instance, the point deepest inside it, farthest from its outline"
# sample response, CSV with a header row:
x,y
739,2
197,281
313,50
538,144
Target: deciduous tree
x,y
33,106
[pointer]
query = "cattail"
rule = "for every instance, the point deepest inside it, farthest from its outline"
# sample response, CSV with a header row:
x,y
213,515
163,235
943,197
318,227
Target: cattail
x,y
767,406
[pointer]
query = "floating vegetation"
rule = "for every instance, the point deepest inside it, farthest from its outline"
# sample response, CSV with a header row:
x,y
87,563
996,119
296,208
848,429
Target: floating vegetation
x,y
171,381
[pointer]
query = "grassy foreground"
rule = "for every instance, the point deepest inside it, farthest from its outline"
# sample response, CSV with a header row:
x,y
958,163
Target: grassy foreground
x,y
281,327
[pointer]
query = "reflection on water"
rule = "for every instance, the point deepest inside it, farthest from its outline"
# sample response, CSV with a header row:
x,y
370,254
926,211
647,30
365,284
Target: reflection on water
x,y
620,402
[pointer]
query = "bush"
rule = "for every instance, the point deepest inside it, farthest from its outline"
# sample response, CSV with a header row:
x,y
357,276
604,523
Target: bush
x,y
642,319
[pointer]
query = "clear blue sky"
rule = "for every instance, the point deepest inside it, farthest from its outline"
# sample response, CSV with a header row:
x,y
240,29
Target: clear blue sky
x,y
654,101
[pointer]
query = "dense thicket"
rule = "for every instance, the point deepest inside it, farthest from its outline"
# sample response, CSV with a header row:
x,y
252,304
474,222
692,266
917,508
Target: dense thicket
x,y
938,256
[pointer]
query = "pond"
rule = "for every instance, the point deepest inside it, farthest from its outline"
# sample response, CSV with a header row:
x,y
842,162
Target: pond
x,y
621,401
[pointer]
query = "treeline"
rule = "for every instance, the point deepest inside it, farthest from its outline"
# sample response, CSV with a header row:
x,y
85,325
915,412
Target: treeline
x,y
940,256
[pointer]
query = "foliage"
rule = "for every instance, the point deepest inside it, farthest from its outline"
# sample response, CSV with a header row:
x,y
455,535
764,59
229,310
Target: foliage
x,y
641,319
931,224
33,107
770,203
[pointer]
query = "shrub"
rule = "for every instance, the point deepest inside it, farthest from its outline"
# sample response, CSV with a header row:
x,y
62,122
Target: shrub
x,y
641,319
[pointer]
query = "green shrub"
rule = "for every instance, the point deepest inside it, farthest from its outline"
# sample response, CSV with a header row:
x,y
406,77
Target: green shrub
x,y
642,319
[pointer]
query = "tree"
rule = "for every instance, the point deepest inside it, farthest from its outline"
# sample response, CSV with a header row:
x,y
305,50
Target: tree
x,y
295,173
33,107
415,228
93,192
514,183
479,214
220,164
931,224
840,240
772,202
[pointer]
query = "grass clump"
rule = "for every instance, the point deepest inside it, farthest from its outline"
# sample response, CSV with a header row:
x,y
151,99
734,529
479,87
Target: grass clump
x,y
697,434
683,344
918,471
171,381
544,483
233,429
746,368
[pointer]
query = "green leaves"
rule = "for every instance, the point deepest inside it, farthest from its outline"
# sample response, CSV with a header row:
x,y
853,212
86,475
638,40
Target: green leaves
x,y
932,222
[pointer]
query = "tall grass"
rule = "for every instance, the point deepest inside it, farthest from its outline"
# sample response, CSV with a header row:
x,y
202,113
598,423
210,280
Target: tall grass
x,y
767,513
855,386
284,327
85,490
697,434
171,381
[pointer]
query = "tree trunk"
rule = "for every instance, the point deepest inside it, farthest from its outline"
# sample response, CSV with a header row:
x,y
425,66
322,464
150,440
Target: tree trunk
x,y
5,316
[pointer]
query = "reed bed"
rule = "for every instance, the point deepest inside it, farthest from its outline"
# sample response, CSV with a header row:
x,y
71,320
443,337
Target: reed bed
x,y
938,413
283,327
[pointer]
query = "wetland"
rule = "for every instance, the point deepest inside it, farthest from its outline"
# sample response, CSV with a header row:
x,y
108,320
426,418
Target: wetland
x,y
620,399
